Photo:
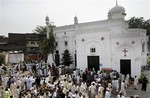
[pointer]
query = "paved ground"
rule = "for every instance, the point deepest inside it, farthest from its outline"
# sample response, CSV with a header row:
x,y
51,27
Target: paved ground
x,y
143,94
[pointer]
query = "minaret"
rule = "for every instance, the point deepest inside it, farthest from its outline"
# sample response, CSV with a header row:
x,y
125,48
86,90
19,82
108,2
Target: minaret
x,y
116,3
47,28
75,20
76,24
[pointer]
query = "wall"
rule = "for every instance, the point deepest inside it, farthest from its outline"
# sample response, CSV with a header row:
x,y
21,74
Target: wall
x,y
14,57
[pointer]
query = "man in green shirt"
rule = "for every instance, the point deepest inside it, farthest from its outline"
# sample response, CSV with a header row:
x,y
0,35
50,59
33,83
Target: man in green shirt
x,y
6,93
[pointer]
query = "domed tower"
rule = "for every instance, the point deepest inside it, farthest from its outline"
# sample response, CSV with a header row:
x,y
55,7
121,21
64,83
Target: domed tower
x,y
117,12
75,20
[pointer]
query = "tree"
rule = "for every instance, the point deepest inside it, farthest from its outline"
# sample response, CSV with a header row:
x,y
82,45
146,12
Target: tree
x,y
47,46
136,22
66,58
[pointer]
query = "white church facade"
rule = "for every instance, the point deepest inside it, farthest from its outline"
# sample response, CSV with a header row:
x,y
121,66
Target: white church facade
x,y
104,44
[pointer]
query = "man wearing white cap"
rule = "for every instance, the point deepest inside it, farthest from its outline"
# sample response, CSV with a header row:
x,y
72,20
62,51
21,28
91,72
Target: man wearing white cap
x,y
93,89
120,95
107,93
123,90
135,82
100,91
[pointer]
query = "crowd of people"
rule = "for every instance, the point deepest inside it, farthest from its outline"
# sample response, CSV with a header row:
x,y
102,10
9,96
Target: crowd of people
x,y
45,81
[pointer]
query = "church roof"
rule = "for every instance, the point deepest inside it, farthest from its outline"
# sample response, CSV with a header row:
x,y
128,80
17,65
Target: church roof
x,y
117,9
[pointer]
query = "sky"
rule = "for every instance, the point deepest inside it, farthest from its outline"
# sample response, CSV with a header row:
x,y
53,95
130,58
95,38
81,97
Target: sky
x,y
23,16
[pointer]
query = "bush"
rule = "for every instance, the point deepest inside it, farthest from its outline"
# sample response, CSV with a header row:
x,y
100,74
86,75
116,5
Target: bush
x,y
141,77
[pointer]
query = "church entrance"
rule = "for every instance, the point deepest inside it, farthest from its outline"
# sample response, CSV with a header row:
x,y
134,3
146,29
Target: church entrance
x,y
125,66
93,62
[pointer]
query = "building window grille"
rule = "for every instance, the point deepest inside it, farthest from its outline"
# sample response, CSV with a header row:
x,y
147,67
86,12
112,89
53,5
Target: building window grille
x,y
92,50
66,43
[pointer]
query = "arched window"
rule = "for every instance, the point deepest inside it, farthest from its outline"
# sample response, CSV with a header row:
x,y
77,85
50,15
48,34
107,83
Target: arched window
x,y
92,50
143,47
66,43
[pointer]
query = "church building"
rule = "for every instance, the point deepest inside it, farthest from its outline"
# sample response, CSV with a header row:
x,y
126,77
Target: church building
x,y
104,44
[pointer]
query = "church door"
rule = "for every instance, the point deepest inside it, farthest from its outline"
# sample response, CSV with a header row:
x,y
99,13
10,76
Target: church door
x,y
93,62
125,66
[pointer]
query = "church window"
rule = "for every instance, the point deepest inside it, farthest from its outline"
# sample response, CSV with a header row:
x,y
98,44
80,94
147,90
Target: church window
x,y
92,50
143,47
37,43
32,42
66,43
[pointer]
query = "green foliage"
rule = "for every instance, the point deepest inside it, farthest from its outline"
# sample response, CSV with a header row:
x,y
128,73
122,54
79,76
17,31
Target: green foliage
x,y
1,59
42,31
142,76
66,58
46,45
136,22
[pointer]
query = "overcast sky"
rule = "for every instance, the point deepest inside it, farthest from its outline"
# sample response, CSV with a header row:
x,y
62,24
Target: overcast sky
x,y
22,16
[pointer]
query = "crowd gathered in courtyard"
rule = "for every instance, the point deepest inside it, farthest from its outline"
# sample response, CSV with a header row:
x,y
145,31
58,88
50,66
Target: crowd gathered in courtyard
x,y
49,81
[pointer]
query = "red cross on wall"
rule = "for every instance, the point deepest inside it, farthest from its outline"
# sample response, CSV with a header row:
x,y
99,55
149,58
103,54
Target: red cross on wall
x,y
125,51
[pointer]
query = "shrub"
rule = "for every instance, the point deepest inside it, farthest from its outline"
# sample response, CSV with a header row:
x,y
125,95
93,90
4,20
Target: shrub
x,y
141,77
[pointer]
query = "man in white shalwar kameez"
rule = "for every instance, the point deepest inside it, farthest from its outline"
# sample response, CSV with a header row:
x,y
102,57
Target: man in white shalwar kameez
x,y
107,93
69,85
127,79
73,89
18,82
13,87
28,83
5,79
85,85
123,90
110,88
82,89
116,85
40,72
135,82
60,69
93,90
78,79
100,91
122,78
65,83
69,78
17,92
